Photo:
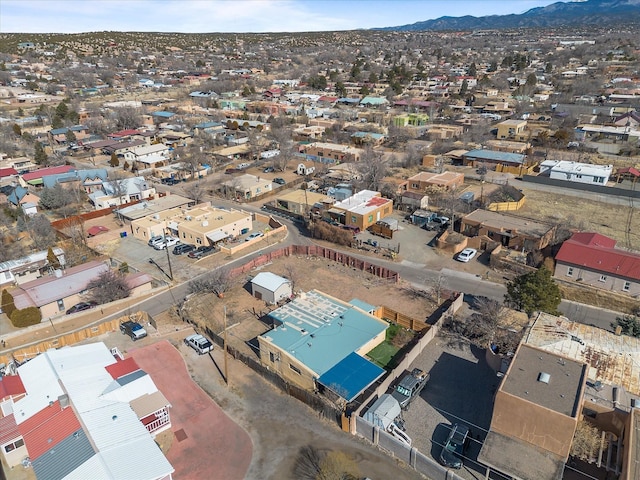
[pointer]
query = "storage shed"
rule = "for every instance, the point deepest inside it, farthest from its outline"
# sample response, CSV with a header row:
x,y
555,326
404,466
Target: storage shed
x,y
270,287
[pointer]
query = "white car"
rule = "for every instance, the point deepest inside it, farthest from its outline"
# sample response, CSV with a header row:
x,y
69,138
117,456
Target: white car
x,y
167,242
254,235
466,254
199,343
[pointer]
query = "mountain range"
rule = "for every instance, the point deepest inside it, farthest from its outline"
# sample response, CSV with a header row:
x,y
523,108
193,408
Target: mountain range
x,y
600,12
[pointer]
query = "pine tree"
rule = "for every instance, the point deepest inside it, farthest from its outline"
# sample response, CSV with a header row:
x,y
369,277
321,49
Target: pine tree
x,y
534,291
8,305
40,156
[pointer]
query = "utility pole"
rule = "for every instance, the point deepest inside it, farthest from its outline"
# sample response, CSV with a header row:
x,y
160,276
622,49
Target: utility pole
x,y
226,371
166,247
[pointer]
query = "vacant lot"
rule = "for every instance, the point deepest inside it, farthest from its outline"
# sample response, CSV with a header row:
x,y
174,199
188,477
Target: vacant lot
x,y
584,214
243,311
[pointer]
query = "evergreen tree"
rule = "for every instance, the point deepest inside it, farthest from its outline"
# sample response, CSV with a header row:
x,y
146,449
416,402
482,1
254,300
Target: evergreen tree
x,y
534,291
53,260
40,156
8,305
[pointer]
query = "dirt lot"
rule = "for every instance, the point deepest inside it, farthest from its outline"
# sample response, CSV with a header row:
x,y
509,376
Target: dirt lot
x,y
345,283
576,212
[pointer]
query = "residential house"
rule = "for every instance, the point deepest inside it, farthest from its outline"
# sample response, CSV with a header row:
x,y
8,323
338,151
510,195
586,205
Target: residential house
x,y
82,412
120,192
593,259
35,177
486,157
509,231
609,401
330,152
422,181
28,268
576,172
60,135
90,180
20,196
535,415
361,210
301,202
443,132
146,155
54,294
270,287
8,175
509,129
201,225
248,186
507,146
319,341
628,119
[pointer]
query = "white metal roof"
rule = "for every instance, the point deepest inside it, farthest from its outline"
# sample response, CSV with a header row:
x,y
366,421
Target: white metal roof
x,y
269,281
41,383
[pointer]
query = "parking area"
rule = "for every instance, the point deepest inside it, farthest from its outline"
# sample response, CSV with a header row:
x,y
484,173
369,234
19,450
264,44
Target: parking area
x,y
460,390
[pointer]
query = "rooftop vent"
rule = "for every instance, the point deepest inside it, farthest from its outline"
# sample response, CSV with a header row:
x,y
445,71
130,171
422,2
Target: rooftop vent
x,y
544,377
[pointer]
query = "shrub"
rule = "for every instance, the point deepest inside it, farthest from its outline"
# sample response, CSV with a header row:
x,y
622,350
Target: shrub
x,y
324,231
26,317
8,306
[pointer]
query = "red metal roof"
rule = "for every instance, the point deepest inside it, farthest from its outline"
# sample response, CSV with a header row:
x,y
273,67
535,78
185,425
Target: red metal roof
x,y
122,368
47,428
96,229
7,172
620,171
8,429
596,252
47,171
124,133
11,385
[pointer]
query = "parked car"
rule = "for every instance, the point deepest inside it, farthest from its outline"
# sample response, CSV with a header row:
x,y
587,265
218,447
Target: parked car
x,y
410,387
166,243
201,251
155,239
466,255
254,235
268,170
242,166
279,181
170,181
440,220
182,248
199,343
451,455
133,329
82,306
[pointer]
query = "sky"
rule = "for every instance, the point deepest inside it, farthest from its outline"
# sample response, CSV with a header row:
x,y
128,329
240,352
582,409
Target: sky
x,y
240,16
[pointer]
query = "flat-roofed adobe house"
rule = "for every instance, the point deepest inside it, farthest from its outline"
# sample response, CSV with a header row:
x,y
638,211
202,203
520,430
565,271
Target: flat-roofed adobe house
x,y
576,172
535,415
319,341
507,230
612,392
420,182
362,209
83,412
248,186
593,259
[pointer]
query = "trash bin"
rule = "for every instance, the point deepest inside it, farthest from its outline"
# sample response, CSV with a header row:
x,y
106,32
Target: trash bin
x,y
123,234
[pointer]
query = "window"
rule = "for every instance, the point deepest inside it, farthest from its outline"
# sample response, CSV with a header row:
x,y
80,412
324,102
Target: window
x,y
370,218
198,241
603,278
60,305
295,369
415,185
570,272
354,219
272,357
13,445
627,286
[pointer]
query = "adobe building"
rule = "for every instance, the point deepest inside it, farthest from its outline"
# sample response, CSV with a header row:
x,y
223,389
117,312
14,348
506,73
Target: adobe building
x,y
535,415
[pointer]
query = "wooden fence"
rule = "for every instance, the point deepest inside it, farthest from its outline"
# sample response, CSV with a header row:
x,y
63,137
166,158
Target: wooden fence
x,y
506,206
22,354
321,252
405,321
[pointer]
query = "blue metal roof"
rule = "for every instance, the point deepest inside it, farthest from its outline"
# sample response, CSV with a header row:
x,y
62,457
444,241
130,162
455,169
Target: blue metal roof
x,y
163,114
495,156
320,331
367,307
351,376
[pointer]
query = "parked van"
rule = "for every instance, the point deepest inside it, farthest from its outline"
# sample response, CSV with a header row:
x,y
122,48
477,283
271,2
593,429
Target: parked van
x,y
155,242
242,166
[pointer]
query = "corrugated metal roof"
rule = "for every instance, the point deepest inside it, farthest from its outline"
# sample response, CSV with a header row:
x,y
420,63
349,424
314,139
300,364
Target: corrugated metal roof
x,y
11,385
612,359
598,253
8,429
67,455
47,428
49,289
122,367
269,281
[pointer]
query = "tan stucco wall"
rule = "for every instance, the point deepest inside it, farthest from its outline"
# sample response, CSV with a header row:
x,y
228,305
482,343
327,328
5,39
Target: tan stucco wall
x,y
549,430
306,377
14,457
51,309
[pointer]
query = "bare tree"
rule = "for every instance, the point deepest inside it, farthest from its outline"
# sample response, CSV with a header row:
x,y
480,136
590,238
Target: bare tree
x,y
196,191
217,281
126,118
373,168
108,287
40,230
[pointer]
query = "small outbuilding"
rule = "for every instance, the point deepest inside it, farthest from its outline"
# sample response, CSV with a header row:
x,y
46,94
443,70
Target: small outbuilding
x,y
270,287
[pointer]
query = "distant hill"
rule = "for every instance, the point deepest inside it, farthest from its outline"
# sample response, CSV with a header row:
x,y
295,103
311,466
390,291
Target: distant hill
x,y
601,12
